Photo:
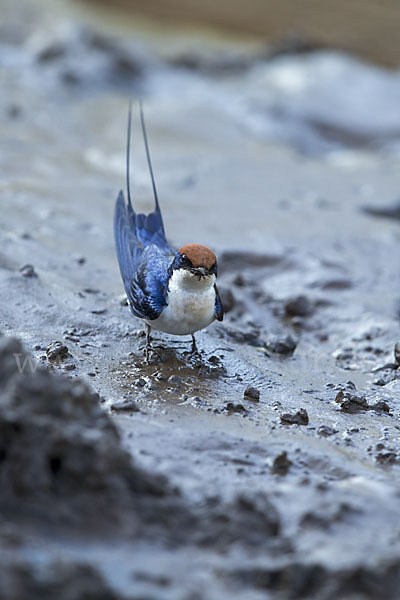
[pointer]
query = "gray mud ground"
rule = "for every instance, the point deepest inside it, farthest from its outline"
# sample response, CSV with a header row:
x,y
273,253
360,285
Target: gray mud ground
x,y
184,487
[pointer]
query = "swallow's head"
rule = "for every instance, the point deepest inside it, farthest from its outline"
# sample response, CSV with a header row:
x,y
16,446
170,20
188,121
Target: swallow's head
x,y
196,260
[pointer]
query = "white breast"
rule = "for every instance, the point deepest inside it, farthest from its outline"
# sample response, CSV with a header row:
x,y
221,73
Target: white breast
x,y
191,304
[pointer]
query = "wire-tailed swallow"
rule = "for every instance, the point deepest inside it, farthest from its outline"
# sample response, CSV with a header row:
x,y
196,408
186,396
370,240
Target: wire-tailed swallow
x,y
170,291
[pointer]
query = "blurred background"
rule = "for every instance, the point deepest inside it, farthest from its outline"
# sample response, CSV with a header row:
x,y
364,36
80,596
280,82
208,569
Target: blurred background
x,y
236,96
316,75
369,28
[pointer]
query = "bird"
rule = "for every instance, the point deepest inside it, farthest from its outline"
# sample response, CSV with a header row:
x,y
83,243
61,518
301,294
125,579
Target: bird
x,y
173,291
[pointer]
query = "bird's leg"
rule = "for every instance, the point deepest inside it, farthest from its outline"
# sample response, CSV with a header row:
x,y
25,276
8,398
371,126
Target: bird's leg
x,y
149,347
195,350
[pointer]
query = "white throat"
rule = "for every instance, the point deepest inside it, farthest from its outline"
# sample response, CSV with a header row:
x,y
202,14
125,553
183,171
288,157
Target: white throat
x,y
191,304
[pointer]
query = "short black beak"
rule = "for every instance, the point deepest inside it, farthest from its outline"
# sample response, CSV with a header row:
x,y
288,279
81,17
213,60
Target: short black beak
x,y
200,272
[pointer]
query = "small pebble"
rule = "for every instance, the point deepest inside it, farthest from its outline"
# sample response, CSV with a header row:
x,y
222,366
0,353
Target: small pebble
x,y
125,406
282,345
252,392
326,431
214,360
300,306
387,458
298,418
239,281
56,351
28,271
381,382
281,464
235,407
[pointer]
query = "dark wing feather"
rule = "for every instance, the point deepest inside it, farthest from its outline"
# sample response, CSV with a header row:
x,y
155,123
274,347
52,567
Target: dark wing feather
x,y
219,311
129,249
146,288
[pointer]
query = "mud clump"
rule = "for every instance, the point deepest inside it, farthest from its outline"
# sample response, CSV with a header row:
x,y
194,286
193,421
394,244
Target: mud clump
x,y
235,407
58,580
353,403
125,406
249,336
250,520
300,417
284,345
60,456
387,458
57,352
298,580
326,431
299,306
28,271
251,393
390,369
281,464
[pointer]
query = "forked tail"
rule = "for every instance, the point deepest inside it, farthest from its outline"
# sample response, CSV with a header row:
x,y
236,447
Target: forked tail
x,y
149,229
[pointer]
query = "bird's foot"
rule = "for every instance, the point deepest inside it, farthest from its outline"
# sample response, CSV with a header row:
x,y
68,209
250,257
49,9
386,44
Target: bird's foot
x,y
151,350
195,350
194,353
149,347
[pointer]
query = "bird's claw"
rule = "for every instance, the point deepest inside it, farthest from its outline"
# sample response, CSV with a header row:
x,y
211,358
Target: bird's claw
x,y
148,350
149,347
194,352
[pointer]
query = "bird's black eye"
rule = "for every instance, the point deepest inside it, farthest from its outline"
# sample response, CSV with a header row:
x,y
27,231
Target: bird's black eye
x,y
185,262
214,269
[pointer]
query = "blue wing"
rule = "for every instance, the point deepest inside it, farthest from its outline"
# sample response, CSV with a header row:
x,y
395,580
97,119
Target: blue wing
x,y
129,249
219,311
148,288
144,256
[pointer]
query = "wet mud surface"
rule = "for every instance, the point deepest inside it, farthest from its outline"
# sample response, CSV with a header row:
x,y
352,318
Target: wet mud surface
x,y
268,467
